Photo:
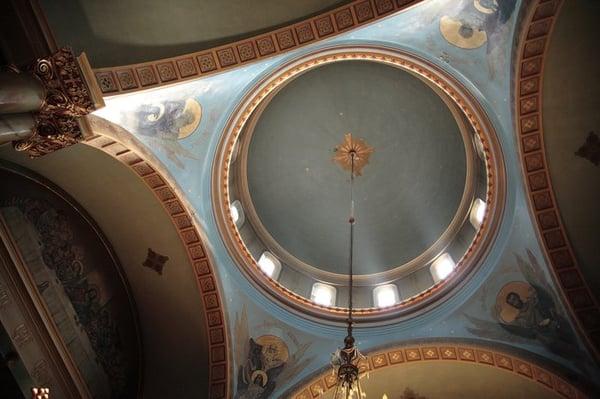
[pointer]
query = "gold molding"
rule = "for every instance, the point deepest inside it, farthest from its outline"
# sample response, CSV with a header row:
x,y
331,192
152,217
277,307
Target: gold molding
x,y
408,62
395,273
476,354
349,146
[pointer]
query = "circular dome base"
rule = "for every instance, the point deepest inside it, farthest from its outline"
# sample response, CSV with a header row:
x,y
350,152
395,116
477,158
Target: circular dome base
x,y
435,161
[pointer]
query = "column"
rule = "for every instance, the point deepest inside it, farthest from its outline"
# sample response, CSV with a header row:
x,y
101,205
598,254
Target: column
x,y
40,109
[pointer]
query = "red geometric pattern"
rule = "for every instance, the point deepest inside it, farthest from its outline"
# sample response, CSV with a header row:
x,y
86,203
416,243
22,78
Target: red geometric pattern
x,y
215,325
534,44
190,66
484,357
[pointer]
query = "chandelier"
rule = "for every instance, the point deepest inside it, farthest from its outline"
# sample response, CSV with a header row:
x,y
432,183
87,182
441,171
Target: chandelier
x,y
352,155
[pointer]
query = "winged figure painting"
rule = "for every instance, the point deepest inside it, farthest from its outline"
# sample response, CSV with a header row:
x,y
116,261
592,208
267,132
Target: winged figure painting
x,y
527,311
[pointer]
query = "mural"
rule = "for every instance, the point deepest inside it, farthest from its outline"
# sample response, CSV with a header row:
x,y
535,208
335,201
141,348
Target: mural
x,y
477,22
590,150
77,266
155,261
264,360
163,122
169,120
527,311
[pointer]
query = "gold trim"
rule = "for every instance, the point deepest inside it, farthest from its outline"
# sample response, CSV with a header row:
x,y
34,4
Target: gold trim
x,y
446,83
350,146
90,81
388,276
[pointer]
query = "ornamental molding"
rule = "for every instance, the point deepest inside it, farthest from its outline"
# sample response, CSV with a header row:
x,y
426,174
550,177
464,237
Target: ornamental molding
x,y
130,78
552,235
192,241
437,79
69,93
479,355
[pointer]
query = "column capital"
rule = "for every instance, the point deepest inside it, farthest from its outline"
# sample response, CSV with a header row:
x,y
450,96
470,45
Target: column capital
x,y
70,93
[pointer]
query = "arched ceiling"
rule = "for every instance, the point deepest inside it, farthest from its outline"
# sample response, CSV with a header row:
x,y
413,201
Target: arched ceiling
x,y
449,380
169,305
571,100
118,32
407,194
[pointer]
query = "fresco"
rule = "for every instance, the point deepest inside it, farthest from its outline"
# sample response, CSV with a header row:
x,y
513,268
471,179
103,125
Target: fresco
x,y
78,269
264,360
438,30
163,121
169,120
527,311
590,150
474,23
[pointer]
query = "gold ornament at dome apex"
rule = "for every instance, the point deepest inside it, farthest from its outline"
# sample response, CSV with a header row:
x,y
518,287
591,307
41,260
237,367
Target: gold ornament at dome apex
x,y
361,150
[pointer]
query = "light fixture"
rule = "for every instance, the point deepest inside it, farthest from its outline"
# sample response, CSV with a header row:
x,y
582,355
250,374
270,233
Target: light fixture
x,y
40,393
351,155
269,264
237,213
442,267
477,212
385,295
323,294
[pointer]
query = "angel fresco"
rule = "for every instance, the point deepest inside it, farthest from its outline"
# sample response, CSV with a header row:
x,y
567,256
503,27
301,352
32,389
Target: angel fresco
x,y
476,23
264,360
169,120
527,311
166,122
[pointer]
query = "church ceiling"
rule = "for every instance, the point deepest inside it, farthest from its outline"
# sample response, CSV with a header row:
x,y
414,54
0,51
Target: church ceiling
x,y
477,309
118,32
520,307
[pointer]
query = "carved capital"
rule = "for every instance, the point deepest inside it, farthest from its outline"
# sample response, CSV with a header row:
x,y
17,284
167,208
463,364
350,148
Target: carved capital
x,y
70,93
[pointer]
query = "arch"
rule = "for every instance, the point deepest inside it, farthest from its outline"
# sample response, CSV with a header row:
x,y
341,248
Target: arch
x,y
454,351
117,143
553,238
136,77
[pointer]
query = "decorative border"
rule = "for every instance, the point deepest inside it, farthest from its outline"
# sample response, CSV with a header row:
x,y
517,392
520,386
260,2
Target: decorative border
x,y
398,271
553,236
135,77
431,75
467,353
192,241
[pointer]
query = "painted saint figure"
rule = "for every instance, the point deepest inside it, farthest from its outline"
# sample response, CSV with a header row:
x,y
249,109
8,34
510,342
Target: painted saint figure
x,y
530,312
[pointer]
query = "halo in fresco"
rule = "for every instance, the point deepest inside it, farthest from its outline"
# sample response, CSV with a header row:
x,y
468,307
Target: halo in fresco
x,y
274,351
194,110
169,120
462,34
523,290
